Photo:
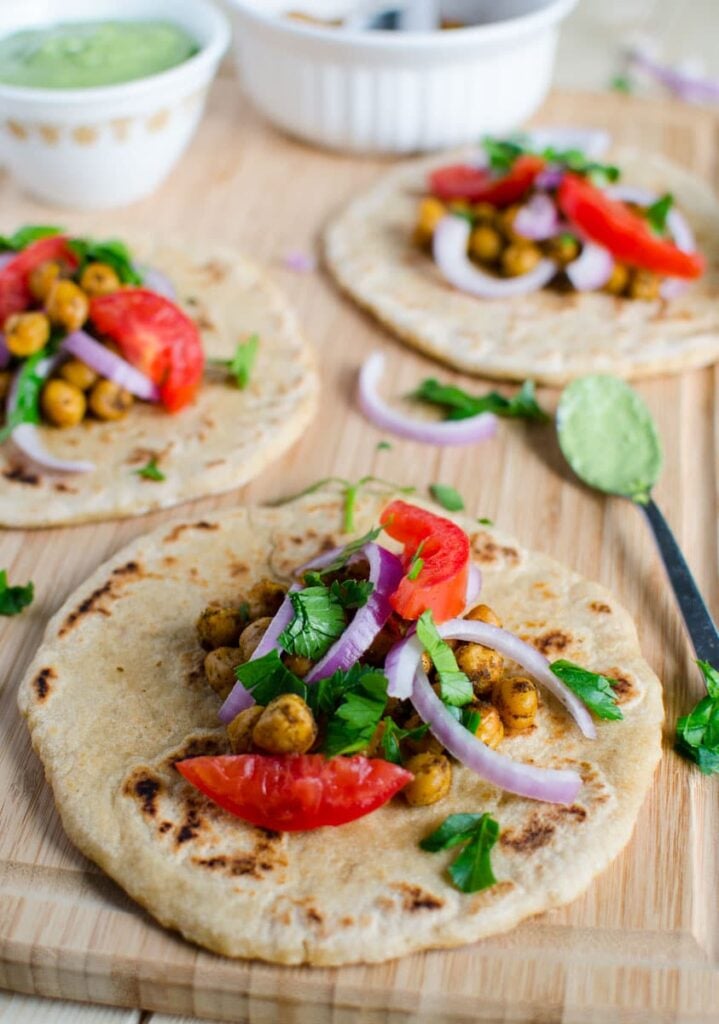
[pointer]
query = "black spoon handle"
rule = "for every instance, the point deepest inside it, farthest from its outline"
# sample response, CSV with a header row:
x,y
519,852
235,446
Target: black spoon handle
x,y
695,613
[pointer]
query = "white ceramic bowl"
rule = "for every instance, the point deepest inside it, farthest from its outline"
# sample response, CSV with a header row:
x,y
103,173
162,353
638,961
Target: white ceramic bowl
x,y
397,92
107,146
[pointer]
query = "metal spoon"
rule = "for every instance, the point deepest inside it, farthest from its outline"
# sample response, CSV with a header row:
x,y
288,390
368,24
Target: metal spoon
x,y
621,427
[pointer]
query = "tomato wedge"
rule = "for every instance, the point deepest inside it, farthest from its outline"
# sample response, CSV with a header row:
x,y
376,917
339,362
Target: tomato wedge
x,y
15,293
297,792
155,336
623,232
478,185
441,585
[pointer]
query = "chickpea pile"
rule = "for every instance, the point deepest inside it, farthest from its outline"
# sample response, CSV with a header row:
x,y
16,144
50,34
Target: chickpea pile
x,y
230,634
75,390
495,245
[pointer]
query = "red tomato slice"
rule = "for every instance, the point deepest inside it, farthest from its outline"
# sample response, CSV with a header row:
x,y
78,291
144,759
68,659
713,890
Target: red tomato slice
x,y
624,233
441,585
297,792
476,184
155,336
14,288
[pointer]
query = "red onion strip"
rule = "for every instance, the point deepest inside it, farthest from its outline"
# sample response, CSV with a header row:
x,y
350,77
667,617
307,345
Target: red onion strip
x,y
538,219
469,431
690,87
108,364
156,281
591,269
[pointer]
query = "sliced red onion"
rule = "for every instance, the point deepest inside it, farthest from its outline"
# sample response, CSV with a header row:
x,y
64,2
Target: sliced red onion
x,y
108,364
400,666
240,699
591,269
688,85
26,436
449,248
469,431
550,178
157,281
385,571
299,261
5,354
538,219
474,585
550,784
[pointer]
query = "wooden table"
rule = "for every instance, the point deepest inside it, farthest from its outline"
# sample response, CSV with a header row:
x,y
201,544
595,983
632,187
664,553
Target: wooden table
x,y
643,944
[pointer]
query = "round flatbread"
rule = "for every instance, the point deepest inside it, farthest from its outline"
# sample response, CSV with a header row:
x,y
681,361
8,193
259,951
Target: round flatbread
x,y
223,440
547,336
116,694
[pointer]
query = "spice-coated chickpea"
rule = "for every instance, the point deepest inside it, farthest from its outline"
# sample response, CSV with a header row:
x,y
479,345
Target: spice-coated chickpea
x,y
286,726
99,279
251,636
483,613
297,664
264,598
562,249
220,626
74,371
515,697
431,212
432,779
519,258
644,285
220,666
491,728
67,305
618,280
482,665
108,401
239,730
26,333
485,243
62,404
42,278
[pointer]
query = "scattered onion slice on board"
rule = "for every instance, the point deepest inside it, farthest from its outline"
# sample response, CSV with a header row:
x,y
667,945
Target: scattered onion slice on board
x,y
549,784
538,219
475,428
449,248
26,436
687,85
385,571
156,281
108,364
591,269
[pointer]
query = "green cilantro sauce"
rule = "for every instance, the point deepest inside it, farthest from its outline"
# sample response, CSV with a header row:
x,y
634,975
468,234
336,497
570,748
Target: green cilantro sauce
x,y
77,55
608,437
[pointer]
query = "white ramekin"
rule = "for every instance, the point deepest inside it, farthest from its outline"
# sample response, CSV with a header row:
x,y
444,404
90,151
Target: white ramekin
x,y
396,92
108,146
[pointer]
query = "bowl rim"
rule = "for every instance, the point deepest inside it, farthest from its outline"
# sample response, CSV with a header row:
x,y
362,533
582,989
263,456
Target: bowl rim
x,y
210,52
382,39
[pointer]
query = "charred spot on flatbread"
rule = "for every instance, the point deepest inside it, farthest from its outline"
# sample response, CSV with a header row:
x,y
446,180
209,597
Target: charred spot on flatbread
x,y
488,552
267,854
625,689
41,683
93,605
415,898
554,641
539,828
177,531
600,607
21,475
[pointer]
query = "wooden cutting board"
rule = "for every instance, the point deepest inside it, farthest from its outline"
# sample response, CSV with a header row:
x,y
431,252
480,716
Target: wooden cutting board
x,y
643,944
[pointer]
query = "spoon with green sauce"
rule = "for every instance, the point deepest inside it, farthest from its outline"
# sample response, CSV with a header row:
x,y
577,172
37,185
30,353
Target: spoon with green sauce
x,y
608,437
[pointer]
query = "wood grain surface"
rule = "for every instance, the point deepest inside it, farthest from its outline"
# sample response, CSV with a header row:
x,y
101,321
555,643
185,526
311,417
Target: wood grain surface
x,y
643,944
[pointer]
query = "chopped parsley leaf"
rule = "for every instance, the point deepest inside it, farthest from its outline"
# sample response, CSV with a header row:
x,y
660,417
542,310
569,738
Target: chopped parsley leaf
x,y
502,154
472,870
417,564
112,252
350,491
267,678
471,719
29,384
14,599
353,724
447,497
150,471
319,620
352,593
26,235
242,362
345,554
698,732
621,83
458,404
392,734
455,687
383,446
658,212
484,521
594,689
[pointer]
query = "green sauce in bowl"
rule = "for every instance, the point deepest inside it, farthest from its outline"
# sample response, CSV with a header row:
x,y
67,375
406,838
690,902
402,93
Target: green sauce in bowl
x,y
87,54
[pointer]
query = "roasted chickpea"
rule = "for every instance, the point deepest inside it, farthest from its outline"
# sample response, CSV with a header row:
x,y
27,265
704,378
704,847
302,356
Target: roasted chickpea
x,y
67,305
26,333
483,613
519,258
432,779
5,379
220,666
562,249
265,598
484,213
516,700
618,280
491,728
644,285
239,731
505,221
220,626
108,401
286,726
431,211
298,665
251,636
483,666
485,244
99,279
42,278
62,404
74,371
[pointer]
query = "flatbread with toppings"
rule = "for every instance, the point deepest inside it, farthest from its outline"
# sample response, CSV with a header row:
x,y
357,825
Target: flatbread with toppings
x,y
136,380
330,773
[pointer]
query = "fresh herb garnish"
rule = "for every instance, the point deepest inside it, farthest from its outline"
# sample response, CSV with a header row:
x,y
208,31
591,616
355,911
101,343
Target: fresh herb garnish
x,y
242,362
417,564
29,384
352,593
267,678
471,719
485,522
350,491
26,235
355,720
698,732
457,404
112,252
621,83
150,471
594,689
383,446
447,497
471,871
14,599
393,734
658,212
347,552
455,687
502,153
319,620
